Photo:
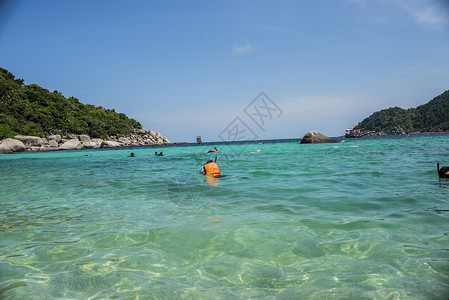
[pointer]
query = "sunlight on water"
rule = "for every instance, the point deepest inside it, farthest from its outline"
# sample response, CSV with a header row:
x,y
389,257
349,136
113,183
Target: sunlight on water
x,y
361,219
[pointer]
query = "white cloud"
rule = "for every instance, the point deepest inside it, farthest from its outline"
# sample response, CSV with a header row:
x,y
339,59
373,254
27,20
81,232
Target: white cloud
x,y
422,13
242,49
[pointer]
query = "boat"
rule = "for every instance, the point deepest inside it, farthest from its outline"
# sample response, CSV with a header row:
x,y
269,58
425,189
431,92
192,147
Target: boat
x,y
198,140
353,132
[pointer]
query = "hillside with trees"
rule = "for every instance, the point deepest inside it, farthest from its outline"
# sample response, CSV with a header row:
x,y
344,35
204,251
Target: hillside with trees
x,y
430,117
33,110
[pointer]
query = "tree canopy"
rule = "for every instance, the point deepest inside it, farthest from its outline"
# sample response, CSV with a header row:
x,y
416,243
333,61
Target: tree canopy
x,y
33,110
430,117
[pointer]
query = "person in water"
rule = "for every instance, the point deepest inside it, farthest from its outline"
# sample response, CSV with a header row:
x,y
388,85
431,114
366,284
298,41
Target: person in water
x,y
160,154
132,155
443,172
213,150
210,168
155,153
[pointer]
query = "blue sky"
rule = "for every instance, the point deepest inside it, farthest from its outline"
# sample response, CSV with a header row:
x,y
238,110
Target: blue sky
x,y
188,68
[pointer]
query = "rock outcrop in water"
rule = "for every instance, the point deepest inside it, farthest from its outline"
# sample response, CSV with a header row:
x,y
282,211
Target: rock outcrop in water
x,y
140,137
314,137
11,145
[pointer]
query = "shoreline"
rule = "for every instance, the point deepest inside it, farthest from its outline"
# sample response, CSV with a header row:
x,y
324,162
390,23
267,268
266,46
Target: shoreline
x,y
139,137
114,143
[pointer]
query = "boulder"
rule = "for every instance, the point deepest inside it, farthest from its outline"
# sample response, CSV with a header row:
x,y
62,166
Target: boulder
x,y
71,145
83,138
125,141
141,131
158,135
90,145
397,130
98,141
314,137
109,144
11,145
152,133
71,136
29,141
166,141
55,137
52,144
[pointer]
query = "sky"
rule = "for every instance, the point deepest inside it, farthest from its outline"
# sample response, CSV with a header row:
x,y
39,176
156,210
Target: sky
x,y
235,69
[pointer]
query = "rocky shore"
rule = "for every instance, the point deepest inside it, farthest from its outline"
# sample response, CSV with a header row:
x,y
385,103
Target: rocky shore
x,y
140,137
394,131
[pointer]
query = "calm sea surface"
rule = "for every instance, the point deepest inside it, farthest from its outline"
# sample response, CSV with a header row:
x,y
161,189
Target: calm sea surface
x,y
365,218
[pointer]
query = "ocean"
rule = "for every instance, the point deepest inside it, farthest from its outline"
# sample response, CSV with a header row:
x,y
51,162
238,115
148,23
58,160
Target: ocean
x,y
363,218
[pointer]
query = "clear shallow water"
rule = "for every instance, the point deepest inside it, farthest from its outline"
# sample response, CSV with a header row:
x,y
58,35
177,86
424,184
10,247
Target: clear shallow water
x,y
360,219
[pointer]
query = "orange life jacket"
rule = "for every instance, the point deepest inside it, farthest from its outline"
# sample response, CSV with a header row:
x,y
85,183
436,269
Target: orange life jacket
x,y
211,169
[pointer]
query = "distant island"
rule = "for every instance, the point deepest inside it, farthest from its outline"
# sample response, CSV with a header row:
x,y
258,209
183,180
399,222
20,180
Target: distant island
x,y
33,118
429,117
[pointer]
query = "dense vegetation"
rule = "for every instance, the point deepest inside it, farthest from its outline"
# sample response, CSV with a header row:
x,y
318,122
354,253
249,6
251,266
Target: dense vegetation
x,y
430,117
33,110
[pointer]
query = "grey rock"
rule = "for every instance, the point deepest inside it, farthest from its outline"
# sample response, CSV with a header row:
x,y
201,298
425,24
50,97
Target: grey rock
x,y
94,143
83,138
53,144
55,137
29,141
125,141
152,133
90,145
109,144
71,145
314,137
11,145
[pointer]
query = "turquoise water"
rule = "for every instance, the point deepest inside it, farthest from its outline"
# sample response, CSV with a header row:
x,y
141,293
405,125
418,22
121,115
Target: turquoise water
x,y
365,218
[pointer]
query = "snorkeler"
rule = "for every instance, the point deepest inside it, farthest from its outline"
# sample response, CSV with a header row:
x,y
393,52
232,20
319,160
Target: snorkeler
x,y
213,150
210,168
443,172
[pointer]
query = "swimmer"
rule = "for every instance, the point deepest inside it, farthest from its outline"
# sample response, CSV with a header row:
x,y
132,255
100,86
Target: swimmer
x,y
88,155
210,168
160,154
132,155
213,150
155,153
443,172
257,151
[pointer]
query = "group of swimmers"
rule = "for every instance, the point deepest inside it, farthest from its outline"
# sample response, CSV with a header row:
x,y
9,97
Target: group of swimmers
x,y
210,168
134,155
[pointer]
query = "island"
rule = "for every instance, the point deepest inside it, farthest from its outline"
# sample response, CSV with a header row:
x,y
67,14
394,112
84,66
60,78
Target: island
x,y
34,119
427,118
